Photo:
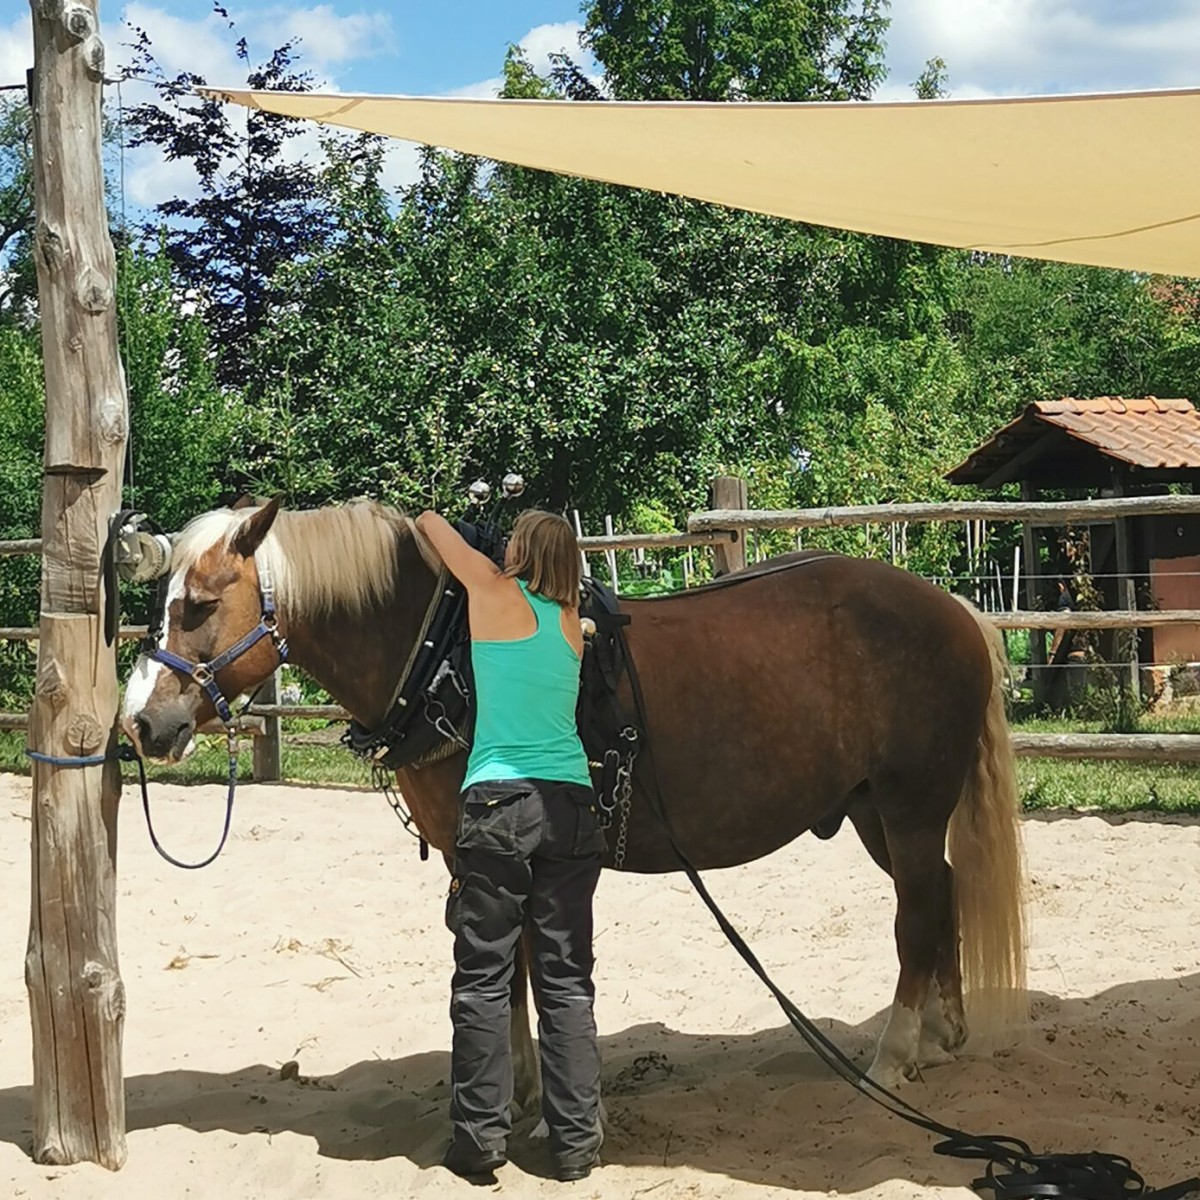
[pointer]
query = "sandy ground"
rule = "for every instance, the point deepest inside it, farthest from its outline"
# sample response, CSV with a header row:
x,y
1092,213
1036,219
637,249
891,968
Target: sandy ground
x,y
318,937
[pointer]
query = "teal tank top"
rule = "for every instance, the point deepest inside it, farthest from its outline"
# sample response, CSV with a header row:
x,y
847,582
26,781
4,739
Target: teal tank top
x,y
525,693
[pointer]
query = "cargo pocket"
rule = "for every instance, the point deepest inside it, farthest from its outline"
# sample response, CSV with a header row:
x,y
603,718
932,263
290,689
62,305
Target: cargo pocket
x,y
589,833
454,906
490,817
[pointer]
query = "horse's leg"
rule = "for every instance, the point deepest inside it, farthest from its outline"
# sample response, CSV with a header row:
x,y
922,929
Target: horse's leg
x,y
865,819
943,1023
923,898
527,1083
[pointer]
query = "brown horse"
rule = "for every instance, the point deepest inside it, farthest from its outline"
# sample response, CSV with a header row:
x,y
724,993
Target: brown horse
x,y
815,688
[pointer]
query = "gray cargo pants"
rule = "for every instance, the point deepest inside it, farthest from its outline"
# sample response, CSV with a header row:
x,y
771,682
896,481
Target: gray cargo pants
x,y
528,850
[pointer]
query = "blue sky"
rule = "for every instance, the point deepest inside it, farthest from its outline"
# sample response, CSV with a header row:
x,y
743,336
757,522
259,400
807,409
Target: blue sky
x,y
456,47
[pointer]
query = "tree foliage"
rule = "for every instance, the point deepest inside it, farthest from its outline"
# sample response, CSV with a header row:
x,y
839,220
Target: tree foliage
x,y
18,284
256,209
296,329
738,49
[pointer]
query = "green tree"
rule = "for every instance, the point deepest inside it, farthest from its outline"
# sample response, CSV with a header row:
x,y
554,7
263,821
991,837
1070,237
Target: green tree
x,y
183,423
934,81
257,207
18,282
738,49
22,407
1038,331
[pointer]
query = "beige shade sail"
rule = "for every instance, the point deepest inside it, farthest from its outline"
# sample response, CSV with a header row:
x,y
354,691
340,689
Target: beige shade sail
x,y
1110,180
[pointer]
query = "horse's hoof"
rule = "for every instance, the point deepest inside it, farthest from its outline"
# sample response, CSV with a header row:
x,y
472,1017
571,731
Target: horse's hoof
x,y
891,1077
933,1054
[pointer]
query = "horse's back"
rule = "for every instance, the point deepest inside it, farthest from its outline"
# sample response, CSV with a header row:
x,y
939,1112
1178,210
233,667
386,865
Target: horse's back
x,y
775,692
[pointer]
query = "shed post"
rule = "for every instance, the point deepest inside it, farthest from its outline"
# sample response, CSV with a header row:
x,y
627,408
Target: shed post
x,y
77,999
1037,637
1127,585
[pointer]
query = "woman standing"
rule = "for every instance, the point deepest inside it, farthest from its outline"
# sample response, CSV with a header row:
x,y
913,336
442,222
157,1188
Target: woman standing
x,y
528,849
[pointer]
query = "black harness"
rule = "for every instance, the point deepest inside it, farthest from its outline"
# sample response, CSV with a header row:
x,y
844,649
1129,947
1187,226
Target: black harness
x,y
433,713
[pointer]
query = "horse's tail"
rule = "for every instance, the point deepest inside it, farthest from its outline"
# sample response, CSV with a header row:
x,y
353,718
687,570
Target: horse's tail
x,y
985,851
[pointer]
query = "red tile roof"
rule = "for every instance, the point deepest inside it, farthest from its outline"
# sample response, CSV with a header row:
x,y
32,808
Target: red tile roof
x,y
1144,433
1147,433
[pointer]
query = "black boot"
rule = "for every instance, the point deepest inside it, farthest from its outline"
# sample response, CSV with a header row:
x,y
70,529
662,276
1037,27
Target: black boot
x,y
573,1170
468,1161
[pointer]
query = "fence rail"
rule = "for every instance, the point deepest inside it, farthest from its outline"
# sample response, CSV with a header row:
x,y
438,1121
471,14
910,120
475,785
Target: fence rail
x,y
593,544
1131,747
717,525
1029,512
722,526
1017,619
1127,747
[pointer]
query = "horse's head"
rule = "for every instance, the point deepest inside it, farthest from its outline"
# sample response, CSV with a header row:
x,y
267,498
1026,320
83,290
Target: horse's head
x,y
217,637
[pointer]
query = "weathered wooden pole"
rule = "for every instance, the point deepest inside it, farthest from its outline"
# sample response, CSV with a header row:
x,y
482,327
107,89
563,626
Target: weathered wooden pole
x,y
1127,584
1033,567
268,757
729,492
76,996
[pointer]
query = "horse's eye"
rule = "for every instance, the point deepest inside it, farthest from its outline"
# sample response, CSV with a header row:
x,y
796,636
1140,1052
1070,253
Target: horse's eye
x,y
196,612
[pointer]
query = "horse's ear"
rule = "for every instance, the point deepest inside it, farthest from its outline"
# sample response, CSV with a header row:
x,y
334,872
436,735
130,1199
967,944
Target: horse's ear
x,y
250,536
246,500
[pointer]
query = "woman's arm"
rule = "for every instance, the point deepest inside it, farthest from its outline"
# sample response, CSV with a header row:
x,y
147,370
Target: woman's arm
x,y
472,569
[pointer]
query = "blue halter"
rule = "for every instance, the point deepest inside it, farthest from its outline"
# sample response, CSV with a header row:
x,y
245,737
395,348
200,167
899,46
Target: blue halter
x,y
205,673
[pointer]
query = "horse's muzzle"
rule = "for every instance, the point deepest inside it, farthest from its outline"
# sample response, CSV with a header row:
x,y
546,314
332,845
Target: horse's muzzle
x,y
162,733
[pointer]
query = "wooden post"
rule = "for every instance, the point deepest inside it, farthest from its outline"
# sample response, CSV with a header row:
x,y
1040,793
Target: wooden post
x,y
583,558
1037,637
729,492
77,999
268,764
1126,586
611,558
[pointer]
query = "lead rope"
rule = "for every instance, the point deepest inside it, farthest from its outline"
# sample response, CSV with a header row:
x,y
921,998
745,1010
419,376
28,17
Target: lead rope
x,y
129,754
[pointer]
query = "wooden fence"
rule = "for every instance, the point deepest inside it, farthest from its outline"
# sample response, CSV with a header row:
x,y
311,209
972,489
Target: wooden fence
x,y
724,530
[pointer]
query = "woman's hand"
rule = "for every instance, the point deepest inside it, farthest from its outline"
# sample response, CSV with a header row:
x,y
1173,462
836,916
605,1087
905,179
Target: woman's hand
x,y
473,570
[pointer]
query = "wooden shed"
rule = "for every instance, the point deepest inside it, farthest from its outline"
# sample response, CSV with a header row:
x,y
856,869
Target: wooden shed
x,y
1109,446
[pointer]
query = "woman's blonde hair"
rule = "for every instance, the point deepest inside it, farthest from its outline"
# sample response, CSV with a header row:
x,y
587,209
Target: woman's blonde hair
x,y
544,552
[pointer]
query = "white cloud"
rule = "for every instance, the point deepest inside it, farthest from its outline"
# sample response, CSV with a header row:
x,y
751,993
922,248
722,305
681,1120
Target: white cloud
x,y
1030,47
401,164
484,89
544,40
327,38
16,50
537,45
205,46
201,47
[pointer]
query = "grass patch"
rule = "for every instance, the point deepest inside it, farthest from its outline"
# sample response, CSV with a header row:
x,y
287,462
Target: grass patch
x,y
322,764
1180,722
1044,783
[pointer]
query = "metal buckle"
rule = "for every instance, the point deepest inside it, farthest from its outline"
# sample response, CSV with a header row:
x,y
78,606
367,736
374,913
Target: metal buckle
x,y
202,674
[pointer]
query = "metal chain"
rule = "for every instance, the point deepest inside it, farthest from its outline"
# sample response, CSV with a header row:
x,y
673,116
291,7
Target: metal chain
x,y
624,797
381,781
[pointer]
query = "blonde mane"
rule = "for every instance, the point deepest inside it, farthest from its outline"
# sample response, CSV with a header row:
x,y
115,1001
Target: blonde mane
x,y
340,556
